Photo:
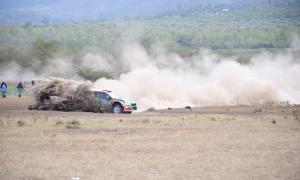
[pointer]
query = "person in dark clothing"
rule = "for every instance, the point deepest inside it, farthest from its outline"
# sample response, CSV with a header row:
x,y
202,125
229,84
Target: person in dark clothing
x,y
20,88
3,89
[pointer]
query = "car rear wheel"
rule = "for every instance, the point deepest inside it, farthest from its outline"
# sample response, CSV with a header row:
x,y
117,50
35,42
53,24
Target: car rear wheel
x,y
117,109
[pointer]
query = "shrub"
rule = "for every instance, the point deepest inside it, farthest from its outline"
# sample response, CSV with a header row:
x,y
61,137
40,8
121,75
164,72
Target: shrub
x,y
73,125
150,109
296,115
44,49
20,123
59,123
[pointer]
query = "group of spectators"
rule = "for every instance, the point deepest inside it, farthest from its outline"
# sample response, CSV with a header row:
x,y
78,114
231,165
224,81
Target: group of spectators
x,y
20,89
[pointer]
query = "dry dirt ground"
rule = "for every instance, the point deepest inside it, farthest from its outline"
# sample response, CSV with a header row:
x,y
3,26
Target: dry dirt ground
x,y
203,143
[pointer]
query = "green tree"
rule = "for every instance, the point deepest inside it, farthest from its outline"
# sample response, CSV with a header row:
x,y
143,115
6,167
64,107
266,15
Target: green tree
x,y
44,49
27,25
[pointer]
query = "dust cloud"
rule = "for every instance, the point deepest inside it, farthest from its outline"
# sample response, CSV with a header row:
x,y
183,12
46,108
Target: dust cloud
x,y
163,79
64,95
168,80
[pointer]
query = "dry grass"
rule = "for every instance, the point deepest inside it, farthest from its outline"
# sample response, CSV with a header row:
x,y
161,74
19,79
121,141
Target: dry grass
x,y
154,145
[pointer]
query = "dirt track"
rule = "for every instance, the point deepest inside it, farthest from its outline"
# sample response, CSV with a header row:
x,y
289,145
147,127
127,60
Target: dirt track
x,y
202,143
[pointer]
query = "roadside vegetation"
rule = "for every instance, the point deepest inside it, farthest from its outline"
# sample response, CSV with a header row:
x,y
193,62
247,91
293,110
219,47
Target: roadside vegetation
x,y
235,32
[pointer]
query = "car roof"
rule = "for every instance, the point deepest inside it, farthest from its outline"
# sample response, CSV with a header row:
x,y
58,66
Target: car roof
x,y
99,90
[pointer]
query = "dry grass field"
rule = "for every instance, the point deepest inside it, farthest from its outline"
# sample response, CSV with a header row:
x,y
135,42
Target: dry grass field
x,y
202,143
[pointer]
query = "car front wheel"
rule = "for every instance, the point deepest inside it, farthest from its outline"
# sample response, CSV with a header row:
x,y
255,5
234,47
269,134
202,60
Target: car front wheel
x,y
117,109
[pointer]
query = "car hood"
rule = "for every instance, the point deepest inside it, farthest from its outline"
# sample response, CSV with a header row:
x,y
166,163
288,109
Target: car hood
x,y
126,101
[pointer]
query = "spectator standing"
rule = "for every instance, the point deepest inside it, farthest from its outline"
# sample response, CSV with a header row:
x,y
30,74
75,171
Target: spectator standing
x,y
3,89
20,88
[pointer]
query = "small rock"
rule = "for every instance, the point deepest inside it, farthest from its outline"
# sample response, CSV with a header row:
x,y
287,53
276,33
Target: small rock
x,y
188,107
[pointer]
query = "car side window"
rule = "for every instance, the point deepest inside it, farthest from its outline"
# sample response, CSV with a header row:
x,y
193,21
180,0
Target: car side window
x,y
97,94
102,96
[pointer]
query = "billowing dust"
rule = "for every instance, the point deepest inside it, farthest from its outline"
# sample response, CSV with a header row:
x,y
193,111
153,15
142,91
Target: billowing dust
x,y
162,79
63,95
168,80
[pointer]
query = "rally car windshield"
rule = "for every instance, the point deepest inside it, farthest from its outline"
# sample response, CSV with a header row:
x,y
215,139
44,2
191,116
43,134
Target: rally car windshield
x,y
114,96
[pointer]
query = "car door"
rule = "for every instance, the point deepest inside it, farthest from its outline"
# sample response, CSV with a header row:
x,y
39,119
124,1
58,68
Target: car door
x,y
105,101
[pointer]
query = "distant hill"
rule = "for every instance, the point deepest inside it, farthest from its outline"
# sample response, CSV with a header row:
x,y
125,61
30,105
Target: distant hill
x,y
58,11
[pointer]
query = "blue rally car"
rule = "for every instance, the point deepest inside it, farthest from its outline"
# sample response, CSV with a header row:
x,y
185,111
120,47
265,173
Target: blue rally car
x,y
113,103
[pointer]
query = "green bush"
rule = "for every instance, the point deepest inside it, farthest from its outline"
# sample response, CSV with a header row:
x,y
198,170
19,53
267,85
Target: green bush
x,y
20,123
73,125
